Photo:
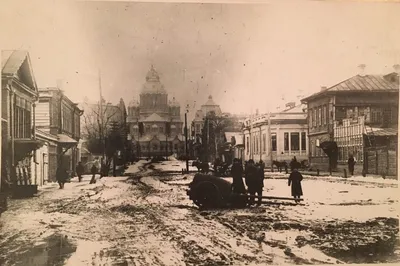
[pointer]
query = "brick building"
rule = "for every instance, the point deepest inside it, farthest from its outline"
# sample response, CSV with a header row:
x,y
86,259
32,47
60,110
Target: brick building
x,y
347,115
286,138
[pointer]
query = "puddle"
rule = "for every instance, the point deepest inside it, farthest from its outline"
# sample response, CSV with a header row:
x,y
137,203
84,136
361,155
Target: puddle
x,y
53,251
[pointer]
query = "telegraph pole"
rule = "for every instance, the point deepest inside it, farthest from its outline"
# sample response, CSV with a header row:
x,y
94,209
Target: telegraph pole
x,y
102,134
270,140
186,143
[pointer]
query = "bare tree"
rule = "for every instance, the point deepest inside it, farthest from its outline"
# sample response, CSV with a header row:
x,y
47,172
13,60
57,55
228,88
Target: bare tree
x,y
99,126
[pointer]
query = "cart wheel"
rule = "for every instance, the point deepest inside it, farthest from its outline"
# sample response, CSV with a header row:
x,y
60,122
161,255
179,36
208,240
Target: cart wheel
x,y
207,196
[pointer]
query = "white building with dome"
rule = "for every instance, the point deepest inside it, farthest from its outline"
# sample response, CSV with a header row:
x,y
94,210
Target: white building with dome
x,y
155,113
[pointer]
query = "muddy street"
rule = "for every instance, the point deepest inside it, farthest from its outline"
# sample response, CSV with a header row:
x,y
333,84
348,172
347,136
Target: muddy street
x,y
146,218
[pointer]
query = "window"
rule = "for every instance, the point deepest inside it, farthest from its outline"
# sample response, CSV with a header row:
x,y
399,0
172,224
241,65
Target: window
x,y
324,120
319,117
176,147
314,117
273,140
197,129
148,128
155,147
303,141
22,118
295,141
286,141
264,142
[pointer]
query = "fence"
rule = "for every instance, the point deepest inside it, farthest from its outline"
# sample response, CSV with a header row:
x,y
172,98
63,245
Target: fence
x,y
380,161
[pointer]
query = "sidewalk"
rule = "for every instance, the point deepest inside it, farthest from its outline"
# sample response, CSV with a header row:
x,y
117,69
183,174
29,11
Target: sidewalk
x,y
336,176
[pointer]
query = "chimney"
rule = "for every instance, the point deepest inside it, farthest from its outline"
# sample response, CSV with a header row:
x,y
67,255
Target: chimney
x,y
60,84
362,69
397,68
290,105
323,88
256,111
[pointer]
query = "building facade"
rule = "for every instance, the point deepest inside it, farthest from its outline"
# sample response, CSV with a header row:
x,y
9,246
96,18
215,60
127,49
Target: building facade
x,y
199,119
348,113
58,126
19,94
285,138
155,123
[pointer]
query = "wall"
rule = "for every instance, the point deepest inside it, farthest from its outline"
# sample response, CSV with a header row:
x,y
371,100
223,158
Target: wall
x,y
42,115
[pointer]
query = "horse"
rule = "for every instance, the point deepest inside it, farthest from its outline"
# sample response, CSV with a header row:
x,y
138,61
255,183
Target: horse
x,y
202,167
280,165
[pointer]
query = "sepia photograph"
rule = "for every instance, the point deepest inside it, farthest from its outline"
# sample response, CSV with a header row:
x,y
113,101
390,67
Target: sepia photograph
x,y
174,133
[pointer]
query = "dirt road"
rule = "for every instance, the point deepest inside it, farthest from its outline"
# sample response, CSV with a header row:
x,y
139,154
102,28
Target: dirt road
x,y
146,219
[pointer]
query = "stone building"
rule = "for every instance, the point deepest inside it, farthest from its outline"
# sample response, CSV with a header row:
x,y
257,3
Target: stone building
x,y
158,119
286,138
347,115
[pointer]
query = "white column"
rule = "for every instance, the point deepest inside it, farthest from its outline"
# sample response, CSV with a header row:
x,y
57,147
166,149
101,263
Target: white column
x,y
300,146
290,142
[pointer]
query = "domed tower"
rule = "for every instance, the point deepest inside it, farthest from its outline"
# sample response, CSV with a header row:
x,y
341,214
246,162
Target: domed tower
x,y
153,97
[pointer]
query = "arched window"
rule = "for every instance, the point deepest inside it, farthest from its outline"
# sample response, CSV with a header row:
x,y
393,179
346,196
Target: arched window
x,y
154,129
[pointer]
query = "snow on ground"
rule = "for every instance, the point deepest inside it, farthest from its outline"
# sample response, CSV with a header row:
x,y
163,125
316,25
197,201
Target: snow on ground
x,y
146,218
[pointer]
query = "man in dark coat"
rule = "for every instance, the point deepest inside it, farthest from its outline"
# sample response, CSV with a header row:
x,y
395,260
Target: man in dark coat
x,y
351,162
93,170
237,174
295,179
252,178
79,171
293,164
62,176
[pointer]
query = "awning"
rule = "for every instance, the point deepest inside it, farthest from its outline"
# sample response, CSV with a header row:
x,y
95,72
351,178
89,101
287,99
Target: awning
x,y
64,139
382,132
23,147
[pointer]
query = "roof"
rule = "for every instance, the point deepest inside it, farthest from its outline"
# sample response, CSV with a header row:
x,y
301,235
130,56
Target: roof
x,y
12,61
155,118
64,139
359,83
153,84
297,109
210,101
382,132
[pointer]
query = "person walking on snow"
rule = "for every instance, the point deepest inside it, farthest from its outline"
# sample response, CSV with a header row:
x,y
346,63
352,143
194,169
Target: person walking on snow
x,y
237,174
351,162
79,171
61,176
93,170
252,178
295,179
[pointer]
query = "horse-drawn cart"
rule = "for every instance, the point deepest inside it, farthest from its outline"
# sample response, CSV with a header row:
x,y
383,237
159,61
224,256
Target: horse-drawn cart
x,y
207,191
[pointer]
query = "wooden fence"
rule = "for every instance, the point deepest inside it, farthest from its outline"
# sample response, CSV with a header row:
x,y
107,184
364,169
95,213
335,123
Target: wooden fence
x,y
380,161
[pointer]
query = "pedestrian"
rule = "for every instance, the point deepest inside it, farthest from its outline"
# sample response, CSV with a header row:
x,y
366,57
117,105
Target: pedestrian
x,y
252,178
351,162
293,164
103,170
295,179
93,170
61,176
237,174
79,171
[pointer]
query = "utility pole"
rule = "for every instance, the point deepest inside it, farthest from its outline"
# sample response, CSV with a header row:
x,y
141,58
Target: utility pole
x,y
102,131
186,142
270,140
251,139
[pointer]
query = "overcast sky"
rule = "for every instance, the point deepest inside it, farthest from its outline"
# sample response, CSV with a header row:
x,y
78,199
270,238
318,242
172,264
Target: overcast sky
x,y
246,56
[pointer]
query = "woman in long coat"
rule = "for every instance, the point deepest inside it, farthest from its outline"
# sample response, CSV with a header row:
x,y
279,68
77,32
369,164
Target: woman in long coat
x,y
295,179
